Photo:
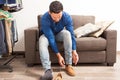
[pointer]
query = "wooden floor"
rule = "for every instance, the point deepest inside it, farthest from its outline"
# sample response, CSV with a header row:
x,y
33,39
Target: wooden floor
x,y
22,72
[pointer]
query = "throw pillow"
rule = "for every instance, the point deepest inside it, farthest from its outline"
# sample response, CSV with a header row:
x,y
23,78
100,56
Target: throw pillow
x,y
85,30
104,25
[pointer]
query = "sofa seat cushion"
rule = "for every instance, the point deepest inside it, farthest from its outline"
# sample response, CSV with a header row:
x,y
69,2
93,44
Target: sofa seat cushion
x,y
84,43
90,44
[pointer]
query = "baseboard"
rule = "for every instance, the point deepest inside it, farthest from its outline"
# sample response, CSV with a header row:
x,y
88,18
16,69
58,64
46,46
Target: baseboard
x,y
23,52
19,52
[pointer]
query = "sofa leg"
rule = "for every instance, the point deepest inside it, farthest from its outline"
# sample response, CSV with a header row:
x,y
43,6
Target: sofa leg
x,y
30,65
110,64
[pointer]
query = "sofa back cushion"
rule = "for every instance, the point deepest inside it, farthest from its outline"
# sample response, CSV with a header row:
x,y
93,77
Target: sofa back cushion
x,y
78,20
81,20
39,18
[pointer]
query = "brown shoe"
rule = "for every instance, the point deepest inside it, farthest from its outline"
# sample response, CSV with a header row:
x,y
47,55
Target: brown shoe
x,y
69,70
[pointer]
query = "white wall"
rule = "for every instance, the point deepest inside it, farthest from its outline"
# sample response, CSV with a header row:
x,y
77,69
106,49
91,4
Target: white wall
x,y
102,9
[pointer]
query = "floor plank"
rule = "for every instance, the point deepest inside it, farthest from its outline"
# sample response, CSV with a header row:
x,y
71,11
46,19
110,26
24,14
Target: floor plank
x,y
22,72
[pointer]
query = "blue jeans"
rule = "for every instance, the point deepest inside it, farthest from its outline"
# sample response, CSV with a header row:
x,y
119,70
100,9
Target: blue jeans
x,y
64,36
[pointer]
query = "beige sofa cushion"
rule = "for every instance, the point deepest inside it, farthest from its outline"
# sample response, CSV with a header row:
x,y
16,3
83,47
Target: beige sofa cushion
x,y
85,30
104,25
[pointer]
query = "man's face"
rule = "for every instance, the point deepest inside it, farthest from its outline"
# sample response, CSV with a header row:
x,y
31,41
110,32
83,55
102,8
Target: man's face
x,y
56,16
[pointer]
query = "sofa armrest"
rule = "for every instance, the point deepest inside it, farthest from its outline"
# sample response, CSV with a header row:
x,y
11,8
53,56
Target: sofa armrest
x,y
111,38
30,36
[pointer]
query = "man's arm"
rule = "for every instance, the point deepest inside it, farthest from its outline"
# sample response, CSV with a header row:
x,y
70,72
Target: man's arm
x,y
47,31
75,57
69,27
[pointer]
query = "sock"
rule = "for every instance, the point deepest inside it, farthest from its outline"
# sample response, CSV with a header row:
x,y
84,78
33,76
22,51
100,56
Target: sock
x,y
48,75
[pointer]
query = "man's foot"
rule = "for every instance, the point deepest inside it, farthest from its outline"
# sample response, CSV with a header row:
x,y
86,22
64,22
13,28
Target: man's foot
x,y
69,70
47,76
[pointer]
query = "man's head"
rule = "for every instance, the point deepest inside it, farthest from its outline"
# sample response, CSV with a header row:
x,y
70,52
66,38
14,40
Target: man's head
x,y
55,10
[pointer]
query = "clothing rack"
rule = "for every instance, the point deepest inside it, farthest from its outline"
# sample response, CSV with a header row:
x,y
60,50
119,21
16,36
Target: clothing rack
x,y
9,37
6,65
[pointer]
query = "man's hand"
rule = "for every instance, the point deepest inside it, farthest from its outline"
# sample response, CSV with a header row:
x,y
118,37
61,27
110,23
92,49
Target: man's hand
x,y
75,57
61,60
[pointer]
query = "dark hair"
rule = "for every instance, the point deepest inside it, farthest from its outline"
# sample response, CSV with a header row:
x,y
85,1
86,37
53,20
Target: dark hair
x,y
56,7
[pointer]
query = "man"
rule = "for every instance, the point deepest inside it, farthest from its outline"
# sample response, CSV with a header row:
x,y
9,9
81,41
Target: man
x,y
57,25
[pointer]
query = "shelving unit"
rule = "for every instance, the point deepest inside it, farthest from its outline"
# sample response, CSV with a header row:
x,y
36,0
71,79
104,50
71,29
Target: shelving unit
x,y
11,6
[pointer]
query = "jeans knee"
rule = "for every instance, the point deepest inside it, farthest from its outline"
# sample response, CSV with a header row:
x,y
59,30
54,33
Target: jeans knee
x,y
67,34
43,41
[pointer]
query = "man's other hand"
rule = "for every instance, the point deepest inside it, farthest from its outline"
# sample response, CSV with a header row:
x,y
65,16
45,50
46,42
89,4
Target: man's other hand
x,y
61,60
75,57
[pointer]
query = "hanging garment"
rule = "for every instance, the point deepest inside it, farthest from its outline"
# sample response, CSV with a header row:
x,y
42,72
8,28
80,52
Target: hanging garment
x,y
5,15
7,1
14,31
7,25
10,30
16,6
2,39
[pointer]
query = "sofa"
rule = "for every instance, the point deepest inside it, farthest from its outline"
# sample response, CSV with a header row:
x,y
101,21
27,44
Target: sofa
x,y
91,50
